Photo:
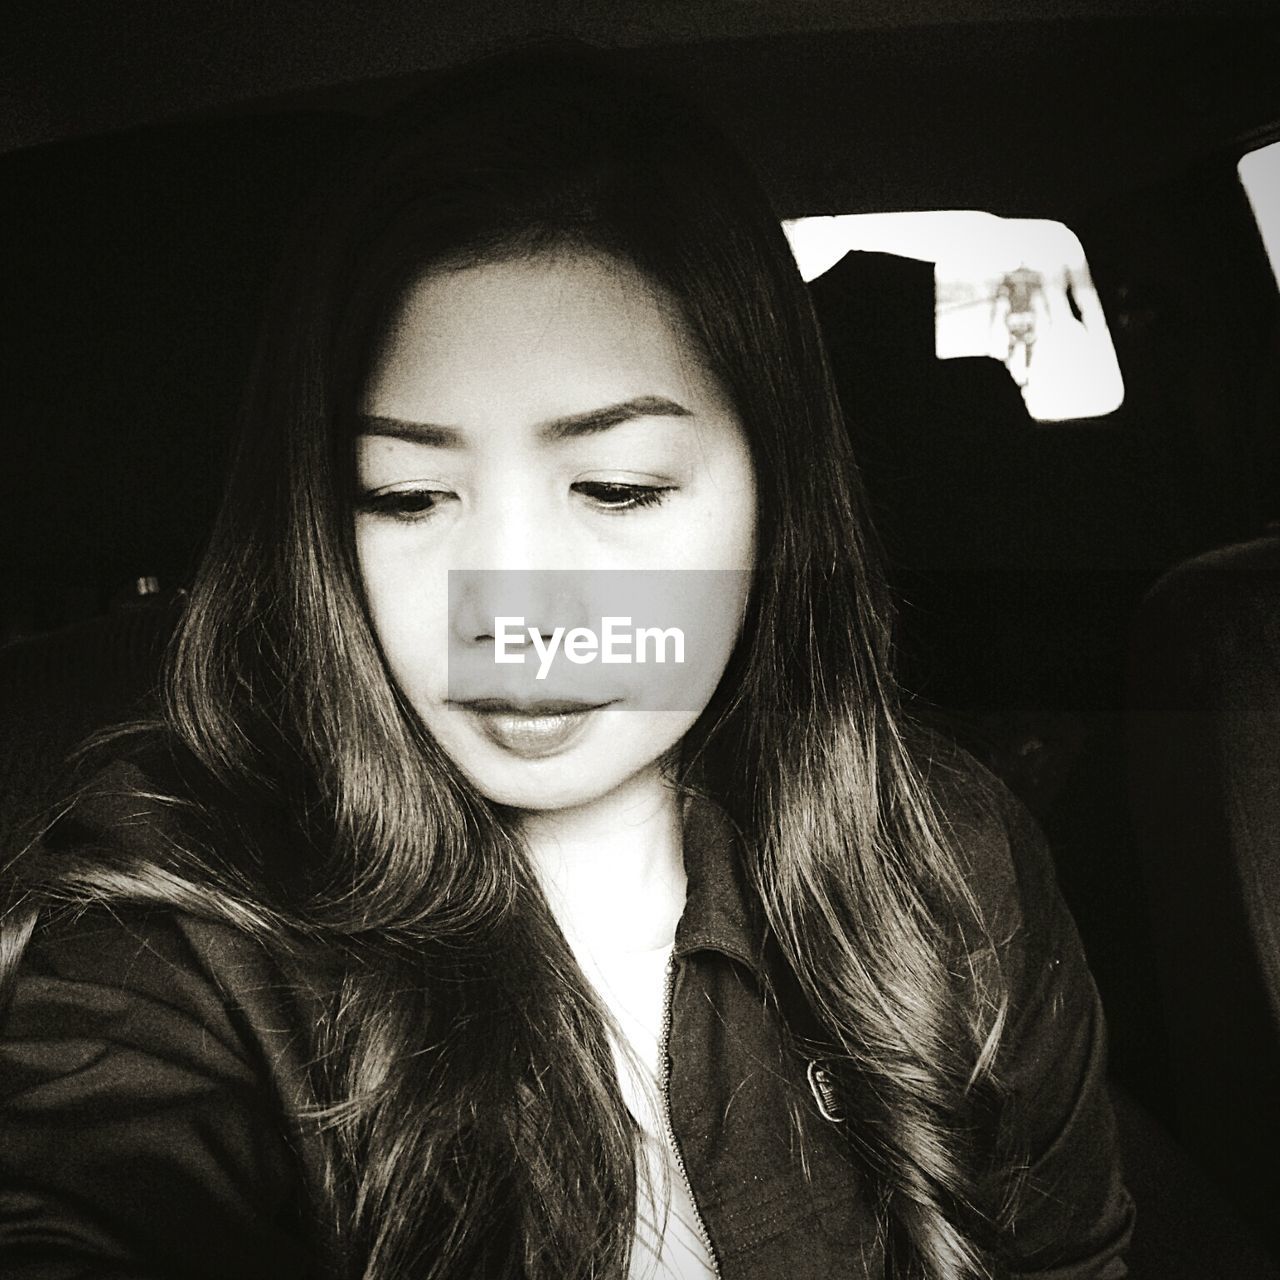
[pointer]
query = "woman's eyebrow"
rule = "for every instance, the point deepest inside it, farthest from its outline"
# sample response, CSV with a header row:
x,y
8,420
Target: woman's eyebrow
x,y
594,421
414,432
589,422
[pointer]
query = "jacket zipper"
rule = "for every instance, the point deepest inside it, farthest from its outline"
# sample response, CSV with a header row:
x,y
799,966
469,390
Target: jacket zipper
x,y
667,1018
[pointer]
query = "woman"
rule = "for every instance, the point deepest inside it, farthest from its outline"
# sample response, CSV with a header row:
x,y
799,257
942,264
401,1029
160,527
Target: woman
x,y
373,957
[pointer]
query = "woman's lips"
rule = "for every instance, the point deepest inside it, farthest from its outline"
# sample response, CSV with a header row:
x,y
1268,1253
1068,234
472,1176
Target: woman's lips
x,y
539,729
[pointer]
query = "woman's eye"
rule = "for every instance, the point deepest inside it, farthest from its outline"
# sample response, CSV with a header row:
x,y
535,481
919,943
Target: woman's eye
x,y
401,504
622,497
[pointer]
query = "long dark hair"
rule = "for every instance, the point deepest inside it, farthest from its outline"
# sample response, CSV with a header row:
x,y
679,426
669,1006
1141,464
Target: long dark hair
x,y
355,837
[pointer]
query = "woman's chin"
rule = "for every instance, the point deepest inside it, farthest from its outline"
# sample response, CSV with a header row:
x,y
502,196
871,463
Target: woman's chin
x,y
548,786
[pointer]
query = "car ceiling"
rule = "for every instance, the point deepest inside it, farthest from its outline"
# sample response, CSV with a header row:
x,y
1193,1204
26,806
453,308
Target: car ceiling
x,y
845,107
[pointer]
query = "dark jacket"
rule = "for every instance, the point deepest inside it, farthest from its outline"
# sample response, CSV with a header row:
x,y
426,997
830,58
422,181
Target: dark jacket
x,y
150,1063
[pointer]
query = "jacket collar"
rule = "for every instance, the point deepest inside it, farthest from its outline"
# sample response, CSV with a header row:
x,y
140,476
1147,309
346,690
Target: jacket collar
x,y
720,912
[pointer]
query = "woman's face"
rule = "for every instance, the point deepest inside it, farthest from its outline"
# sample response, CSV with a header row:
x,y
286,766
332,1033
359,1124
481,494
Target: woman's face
x,y
550,414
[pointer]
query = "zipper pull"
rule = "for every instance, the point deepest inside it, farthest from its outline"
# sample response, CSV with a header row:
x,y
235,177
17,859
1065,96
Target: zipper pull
x,y
823,1085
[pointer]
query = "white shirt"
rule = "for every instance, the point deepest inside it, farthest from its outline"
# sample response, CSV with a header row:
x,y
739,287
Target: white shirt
x,y
632,983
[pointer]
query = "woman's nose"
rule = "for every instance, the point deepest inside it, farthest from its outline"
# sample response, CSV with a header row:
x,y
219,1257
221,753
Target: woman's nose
x,y
517,602
513,563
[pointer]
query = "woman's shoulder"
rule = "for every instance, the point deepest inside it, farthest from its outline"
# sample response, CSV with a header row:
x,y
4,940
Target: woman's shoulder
x,y
1075,1217
1003,855
163,1043
172,1020
139,941
193,963
167,984
993,828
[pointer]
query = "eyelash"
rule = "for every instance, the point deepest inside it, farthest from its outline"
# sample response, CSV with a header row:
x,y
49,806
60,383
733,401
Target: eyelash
x,y
399,504
407,504
634,496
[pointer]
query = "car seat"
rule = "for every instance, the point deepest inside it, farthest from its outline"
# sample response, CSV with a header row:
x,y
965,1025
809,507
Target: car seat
x,y
57,688
1204,769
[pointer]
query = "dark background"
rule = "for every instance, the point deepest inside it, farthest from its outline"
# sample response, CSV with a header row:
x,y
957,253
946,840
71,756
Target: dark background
x,y
134,244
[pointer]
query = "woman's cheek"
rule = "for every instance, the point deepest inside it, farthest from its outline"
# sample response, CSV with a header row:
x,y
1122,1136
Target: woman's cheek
x,y
408,605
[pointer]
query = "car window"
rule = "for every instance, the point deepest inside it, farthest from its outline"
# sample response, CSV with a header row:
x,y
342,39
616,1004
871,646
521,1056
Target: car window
x,y
1260,173
1015,289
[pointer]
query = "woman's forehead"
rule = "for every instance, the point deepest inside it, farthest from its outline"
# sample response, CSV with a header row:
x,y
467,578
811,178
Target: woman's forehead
x,y
543,336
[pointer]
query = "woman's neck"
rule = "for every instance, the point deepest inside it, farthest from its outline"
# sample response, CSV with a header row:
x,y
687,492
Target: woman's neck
x,y
613,870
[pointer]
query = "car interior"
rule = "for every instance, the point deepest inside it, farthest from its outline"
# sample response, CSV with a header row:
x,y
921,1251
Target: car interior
x,y
1090,604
